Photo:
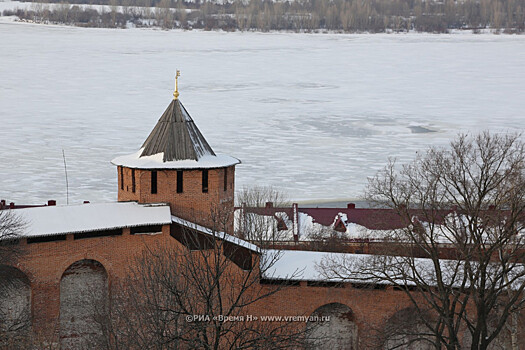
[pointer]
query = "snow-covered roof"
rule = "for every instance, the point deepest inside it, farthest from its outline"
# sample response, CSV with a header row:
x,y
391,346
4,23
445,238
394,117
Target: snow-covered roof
x,y
157,161
296,265
55,220
305,265
221,235
306,227
364,268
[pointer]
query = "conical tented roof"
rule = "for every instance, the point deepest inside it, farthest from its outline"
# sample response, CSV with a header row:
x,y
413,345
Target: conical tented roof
x,y
175,143
177,136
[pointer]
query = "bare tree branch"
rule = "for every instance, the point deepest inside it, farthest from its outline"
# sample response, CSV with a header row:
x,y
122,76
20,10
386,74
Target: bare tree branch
x,y
468,198
196,293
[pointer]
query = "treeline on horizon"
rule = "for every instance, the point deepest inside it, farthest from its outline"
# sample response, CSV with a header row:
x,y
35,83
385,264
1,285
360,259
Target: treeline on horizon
x,y
347,16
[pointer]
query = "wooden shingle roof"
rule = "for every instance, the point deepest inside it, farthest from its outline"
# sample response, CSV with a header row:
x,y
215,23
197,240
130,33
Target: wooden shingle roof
x,y
175,143
177,136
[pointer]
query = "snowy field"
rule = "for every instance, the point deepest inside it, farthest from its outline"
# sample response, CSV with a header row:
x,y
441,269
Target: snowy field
x,y
313,115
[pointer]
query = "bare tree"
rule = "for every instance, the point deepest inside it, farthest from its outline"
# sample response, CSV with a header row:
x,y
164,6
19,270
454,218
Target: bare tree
x,y
197,293
258,196
469,198
11,227
252,223
14,287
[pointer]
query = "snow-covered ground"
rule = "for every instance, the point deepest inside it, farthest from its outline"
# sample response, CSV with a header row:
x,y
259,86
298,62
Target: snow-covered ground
x,y
313,115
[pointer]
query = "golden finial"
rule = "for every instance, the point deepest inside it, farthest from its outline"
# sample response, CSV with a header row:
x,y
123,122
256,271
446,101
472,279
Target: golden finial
x,y
176,93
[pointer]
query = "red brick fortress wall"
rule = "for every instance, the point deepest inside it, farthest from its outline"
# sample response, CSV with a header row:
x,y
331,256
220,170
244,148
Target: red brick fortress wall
x,y
46,264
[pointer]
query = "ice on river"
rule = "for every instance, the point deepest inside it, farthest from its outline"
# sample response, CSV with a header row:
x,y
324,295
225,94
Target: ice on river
x,y
311,114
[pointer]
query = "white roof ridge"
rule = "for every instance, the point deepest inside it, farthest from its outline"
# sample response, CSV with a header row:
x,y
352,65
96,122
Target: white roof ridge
x,y
156,161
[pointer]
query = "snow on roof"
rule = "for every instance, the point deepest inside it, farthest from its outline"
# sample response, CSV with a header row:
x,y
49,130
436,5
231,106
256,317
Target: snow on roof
x,y
371,218
309,230
263,227
296,265
156,161
55,220
220,235
307,266
356,231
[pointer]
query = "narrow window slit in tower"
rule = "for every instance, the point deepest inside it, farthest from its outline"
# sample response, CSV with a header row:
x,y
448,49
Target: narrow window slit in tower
x,y
122,178
225,179
205,181
133,180
153,182
179,181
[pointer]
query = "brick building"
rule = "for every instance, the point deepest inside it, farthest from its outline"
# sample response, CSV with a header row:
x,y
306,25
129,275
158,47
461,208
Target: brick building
x,y
174,181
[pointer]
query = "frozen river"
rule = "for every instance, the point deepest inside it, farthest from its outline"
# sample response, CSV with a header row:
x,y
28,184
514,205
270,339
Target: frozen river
x,y
311,114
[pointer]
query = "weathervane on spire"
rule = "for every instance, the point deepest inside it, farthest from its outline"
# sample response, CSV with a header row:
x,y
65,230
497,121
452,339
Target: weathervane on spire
x,y
176,93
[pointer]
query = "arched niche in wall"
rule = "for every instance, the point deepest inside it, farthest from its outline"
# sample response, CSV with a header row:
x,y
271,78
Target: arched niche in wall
x,y
332,326
83,299
15,307
503,340
406,331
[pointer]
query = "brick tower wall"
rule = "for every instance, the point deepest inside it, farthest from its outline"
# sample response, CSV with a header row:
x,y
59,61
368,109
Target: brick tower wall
x,y
211,209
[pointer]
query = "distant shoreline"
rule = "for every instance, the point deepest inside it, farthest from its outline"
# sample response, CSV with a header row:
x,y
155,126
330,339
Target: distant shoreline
x,y
454,32
343,17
